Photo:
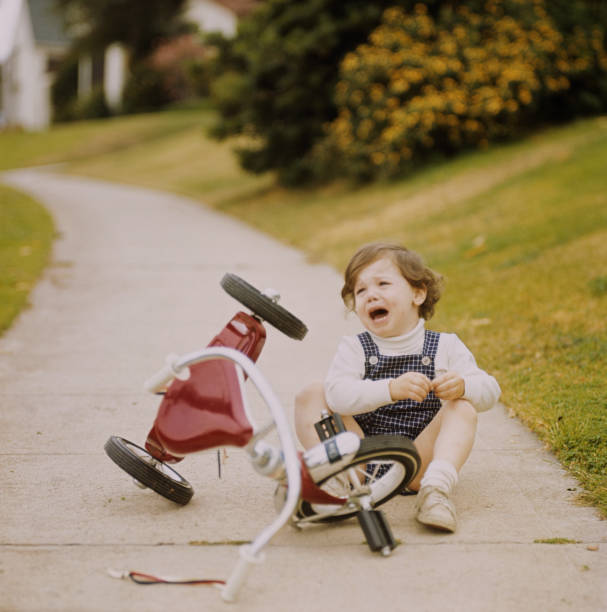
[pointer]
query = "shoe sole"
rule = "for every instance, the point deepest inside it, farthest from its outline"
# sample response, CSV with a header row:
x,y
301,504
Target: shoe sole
x,y
437,524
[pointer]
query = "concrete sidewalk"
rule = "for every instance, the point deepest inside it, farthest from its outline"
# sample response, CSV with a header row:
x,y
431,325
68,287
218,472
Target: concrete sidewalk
x,y
135,275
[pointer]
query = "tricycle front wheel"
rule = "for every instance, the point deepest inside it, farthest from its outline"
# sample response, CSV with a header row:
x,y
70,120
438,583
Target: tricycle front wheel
x,y
148,471
264,307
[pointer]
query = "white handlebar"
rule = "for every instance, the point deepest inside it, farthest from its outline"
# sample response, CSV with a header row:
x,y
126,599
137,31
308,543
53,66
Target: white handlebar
x,y
158,381
179,367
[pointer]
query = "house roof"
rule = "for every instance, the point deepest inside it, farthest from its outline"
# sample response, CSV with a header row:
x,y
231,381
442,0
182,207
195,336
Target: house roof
x,y
48,24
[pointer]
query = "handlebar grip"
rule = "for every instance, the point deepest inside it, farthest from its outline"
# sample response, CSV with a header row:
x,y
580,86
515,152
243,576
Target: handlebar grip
x,y
158,381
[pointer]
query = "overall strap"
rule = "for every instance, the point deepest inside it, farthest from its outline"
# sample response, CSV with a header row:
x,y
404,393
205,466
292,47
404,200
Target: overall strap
x,y
430,343
371,352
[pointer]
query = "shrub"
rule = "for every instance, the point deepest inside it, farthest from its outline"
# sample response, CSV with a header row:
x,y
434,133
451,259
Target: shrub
x,y
583,24
93,106
68,105
64,89
276,78
463,78
144,90
177,70
72,108
182,64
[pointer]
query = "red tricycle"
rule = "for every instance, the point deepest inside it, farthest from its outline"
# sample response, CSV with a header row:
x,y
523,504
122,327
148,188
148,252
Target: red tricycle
x,y
204,406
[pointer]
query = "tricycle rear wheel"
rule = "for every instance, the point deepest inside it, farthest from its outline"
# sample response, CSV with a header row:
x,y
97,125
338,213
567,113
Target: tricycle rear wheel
x,y
264,307
387,464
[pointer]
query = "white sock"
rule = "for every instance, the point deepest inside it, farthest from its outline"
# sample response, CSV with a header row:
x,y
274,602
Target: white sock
x,y
440,474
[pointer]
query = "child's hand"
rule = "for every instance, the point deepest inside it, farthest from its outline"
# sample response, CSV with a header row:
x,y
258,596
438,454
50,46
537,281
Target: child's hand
x,y
411,385
448,386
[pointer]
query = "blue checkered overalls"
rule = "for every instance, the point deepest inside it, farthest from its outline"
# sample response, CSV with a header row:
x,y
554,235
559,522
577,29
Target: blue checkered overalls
x,y
404,417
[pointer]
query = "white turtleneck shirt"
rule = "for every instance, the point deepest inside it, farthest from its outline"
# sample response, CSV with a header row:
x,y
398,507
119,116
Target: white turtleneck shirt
x,y
348,393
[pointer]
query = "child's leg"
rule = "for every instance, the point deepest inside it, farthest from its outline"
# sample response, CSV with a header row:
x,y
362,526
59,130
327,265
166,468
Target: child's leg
x,y
309,405
457,433
444,447
448,437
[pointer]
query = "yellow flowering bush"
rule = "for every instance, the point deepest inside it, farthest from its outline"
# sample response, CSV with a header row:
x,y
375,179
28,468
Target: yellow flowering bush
x,y
461,79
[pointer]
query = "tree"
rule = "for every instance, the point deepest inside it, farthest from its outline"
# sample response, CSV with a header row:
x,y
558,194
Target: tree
x,y
425,86
276,78
138,24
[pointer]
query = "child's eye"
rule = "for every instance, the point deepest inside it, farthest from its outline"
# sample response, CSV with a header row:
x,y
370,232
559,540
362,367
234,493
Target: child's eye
x,y
384,283
359,291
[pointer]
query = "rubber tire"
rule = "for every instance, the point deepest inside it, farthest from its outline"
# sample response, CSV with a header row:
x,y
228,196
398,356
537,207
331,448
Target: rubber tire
x,y
264,307
379,448
162,479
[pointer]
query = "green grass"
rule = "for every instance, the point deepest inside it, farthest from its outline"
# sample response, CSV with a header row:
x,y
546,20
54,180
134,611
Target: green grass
x,y
519,231
26,233
556,541
89,139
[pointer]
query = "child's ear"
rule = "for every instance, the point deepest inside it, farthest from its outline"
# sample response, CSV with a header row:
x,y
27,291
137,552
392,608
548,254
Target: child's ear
x,y
419,295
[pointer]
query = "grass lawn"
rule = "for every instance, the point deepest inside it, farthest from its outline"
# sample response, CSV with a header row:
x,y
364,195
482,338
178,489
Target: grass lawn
x,y
26,234
519,231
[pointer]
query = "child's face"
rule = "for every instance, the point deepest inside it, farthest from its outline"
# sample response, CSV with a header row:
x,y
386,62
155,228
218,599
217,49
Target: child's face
x,y
386,304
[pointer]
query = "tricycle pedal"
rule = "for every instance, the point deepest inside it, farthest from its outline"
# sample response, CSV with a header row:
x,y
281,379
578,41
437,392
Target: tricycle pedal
x,y
329,425
377,531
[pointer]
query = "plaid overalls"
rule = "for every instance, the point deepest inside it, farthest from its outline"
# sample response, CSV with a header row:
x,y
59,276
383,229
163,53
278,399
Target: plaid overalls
x,y
404,417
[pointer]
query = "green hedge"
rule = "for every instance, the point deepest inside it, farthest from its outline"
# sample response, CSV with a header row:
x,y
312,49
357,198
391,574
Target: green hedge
x,y
295,72
275,80
425,85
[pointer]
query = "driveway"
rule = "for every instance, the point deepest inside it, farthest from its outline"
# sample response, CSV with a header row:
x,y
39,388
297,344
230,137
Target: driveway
x,y
134,276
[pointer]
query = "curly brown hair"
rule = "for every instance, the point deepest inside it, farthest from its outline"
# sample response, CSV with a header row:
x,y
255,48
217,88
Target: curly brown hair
x,y
410,264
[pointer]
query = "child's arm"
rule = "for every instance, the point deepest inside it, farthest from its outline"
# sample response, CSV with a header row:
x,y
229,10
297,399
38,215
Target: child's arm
x,y
345,390
479,388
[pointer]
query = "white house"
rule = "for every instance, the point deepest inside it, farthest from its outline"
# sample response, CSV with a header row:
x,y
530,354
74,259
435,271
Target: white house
x,y
218,15
211,16
33,42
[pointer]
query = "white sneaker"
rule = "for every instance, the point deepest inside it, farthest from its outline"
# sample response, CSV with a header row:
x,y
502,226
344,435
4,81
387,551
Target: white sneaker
x,y
435,509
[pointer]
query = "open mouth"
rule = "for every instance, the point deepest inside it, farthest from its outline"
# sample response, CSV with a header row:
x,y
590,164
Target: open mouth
x,y
378,314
